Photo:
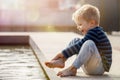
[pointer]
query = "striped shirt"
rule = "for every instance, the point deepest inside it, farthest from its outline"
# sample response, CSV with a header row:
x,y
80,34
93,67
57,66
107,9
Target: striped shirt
x,y
102,42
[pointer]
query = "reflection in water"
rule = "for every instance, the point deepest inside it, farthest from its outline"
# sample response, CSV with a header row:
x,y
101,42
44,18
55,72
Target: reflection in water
x,y
19,63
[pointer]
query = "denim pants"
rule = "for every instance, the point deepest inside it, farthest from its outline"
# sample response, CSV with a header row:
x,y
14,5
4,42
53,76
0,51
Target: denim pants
x,y
88,58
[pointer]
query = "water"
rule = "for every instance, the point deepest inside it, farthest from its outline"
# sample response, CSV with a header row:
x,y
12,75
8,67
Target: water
x,y
19,63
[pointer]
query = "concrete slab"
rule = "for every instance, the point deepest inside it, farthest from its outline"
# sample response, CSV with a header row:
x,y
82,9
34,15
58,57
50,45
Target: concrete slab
x,y
52,43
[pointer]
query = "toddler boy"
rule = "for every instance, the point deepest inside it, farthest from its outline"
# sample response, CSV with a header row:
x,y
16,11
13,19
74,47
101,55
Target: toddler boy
x,y
94,51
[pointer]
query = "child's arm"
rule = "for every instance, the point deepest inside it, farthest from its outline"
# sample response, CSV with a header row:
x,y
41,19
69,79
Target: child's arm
x,y
74,49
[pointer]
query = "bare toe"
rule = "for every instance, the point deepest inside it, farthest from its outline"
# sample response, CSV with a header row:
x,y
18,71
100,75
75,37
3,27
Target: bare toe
x,y
59,73
48,64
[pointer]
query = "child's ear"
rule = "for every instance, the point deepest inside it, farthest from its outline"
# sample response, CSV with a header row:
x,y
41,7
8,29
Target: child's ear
x,y
92,22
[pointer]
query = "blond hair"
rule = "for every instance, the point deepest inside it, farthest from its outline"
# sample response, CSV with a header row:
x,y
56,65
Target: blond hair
x,y
87,12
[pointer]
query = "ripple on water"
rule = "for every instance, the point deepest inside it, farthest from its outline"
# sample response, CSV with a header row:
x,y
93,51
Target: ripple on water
x,y
19,63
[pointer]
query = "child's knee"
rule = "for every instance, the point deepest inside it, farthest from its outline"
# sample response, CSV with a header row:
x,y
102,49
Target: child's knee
x,y
89,43
75,40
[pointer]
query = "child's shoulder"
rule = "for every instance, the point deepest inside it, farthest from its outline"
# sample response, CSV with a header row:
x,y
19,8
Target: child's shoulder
x,y
97,29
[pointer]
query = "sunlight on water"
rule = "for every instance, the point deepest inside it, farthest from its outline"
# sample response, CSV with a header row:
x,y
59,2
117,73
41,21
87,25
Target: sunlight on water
x,y
19,63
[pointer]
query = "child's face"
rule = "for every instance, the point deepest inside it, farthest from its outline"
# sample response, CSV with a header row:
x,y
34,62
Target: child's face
x,y
83,26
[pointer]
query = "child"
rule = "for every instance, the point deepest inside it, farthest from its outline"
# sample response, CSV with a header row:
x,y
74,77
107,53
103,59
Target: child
x,y
94,51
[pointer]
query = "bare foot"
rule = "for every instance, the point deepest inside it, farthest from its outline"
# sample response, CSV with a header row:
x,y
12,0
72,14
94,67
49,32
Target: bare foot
x,y
59,63
71,71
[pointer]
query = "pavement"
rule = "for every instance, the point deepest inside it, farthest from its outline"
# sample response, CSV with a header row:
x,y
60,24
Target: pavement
x,y
52,43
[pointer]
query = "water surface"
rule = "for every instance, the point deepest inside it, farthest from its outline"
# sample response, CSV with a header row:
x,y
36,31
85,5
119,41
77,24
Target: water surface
x,y
19,63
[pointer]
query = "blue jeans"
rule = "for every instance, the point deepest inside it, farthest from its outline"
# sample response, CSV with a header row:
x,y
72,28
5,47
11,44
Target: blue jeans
x,y
88,58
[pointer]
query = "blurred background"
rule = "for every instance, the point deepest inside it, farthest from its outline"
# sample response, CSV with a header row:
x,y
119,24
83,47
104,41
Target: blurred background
x,y
53,15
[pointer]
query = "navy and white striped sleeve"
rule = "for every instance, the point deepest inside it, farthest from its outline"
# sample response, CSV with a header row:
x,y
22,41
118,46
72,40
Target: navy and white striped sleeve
x,y
74,49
